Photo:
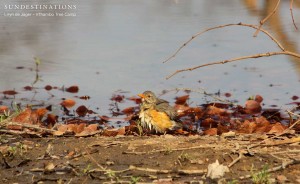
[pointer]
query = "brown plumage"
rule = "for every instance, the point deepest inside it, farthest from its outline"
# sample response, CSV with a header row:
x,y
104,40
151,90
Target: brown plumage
x,y
156,114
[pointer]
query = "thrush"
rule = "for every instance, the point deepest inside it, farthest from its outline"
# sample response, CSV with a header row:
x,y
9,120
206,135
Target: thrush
x,y
156,114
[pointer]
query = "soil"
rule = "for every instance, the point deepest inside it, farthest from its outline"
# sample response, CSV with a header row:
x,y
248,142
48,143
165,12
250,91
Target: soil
x,y
145,159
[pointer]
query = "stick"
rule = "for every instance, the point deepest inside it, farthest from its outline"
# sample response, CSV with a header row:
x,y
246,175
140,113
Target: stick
x,y
222,26
164,150
236,160
28,126
292,14
282,166
267,54
265,19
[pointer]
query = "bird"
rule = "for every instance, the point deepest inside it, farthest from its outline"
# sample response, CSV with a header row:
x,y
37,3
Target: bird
x,y
156,114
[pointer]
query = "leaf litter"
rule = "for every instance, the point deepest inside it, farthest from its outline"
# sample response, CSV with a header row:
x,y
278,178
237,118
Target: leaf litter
x,y
244,132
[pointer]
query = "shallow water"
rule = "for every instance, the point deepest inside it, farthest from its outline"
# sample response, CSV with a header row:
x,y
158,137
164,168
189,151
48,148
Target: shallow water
x,y
117,45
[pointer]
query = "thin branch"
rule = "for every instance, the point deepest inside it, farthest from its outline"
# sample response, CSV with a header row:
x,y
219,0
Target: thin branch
x,y
280,167
222,26
267,54
236,160
168,150
292,14
265,19
27,126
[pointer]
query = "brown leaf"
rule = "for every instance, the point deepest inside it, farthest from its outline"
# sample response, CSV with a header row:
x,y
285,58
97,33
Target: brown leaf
x,y
252,107
10,92
72,89
227,95
85,97
211,131
58,133
209,122
3,108
62,128
51,120
48,87
41,112
82,110
93,127
24,117
68,103
182,100
121,131
258,98
137,100
118,98
247,127
80,128
110,132
277,128
128,110
28,88
212,110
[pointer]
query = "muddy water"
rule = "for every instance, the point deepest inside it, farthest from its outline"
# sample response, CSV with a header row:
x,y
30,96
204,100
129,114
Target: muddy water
x,y
115,45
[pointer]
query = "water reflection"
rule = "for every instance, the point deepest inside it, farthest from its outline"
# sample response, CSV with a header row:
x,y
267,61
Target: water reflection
x,y
280,24
117,44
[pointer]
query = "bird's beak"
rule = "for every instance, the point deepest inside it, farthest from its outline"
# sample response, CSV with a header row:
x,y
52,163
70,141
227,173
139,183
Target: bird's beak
x,y
141,95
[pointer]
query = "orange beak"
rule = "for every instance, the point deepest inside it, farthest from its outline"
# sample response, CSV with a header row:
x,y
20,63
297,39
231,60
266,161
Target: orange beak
x,y
141,95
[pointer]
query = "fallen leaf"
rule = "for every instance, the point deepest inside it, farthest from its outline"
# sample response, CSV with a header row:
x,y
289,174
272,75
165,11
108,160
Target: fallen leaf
x,y
28,88
182,100
295,97
72,89
137,100
49,167
3,108
252,107
216,170
258,98
85,97
277,128
10,92
41,112
68,103
211,131
82,110
118,98
48,87
128,110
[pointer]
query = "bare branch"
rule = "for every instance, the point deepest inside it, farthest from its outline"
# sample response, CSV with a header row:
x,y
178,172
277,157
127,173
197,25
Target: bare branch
x,y
265,19
267,54
292,14
222,26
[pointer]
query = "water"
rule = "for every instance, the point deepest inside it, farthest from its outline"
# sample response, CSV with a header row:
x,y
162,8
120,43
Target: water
x,y
117,45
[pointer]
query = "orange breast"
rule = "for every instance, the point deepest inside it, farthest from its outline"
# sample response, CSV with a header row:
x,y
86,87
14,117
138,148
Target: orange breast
x,y
160,120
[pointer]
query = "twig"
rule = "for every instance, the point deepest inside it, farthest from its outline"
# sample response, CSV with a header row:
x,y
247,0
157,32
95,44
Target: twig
x,y
282,166
166,150
236,160
267,54
292,14
288,141
222,26
156,171
265,19
27,126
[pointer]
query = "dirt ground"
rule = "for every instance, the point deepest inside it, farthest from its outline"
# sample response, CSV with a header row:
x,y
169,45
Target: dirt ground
x,y
148,159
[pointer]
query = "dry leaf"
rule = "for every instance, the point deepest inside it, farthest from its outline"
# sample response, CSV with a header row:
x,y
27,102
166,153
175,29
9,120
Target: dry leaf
x,y
68,103
216,170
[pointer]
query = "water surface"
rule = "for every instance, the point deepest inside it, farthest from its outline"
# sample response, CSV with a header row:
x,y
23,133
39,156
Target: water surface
x,y
119,45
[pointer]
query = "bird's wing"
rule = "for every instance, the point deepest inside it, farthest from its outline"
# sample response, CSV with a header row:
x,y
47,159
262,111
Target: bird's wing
x,y
163,106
